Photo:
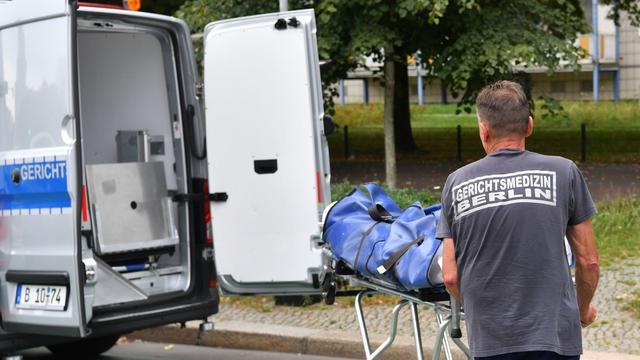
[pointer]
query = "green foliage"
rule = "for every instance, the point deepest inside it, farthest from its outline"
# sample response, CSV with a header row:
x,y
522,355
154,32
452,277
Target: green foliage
x,y
551,109
166,7
404,197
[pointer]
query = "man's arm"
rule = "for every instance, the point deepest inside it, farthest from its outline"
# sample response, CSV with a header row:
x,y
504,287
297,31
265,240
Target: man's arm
x,y
583,244
450,268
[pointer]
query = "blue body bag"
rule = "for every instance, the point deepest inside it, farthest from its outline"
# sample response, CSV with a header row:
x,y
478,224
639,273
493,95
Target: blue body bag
x,y
370,234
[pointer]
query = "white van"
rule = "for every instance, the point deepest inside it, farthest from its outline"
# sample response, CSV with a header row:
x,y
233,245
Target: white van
x,y
113,186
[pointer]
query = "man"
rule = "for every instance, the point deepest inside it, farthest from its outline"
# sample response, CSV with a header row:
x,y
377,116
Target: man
x,y
503,224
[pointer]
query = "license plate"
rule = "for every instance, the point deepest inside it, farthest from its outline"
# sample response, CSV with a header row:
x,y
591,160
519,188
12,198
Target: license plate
x,y
45,297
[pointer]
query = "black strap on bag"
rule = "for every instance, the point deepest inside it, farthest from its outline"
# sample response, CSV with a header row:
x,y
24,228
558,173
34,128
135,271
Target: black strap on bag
x,y
391,261
379,213
362,239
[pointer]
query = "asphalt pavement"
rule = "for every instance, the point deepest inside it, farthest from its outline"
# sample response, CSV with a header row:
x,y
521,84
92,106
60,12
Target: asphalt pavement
x,y
149,350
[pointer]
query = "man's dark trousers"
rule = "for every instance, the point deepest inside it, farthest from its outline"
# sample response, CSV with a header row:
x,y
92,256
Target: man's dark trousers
x,y
530,355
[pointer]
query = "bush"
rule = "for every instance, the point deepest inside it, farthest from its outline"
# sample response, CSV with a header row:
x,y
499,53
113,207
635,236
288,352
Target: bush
x,y
404,197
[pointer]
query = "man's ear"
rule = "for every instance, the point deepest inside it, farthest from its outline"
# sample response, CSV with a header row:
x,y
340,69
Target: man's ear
x,y
529,127
485,133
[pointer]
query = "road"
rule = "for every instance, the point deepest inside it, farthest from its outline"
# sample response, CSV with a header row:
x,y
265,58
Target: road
x,y
140,351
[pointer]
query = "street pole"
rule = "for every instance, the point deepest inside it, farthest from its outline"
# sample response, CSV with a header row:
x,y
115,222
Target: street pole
x,y
284,5
596,51
419,77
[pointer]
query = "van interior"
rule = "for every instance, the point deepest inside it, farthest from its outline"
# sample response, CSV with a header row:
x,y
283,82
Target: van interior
x,y
134,161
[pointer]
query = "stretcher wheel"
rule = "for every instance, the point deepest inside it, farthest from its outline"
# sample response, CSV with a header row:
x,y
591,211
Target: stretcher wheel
x,y
456,333
330,294
329,288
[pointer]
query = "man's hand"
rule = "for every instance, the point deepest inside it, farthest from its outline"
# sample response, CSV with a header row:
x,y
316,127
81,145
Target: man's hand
x,y
588,318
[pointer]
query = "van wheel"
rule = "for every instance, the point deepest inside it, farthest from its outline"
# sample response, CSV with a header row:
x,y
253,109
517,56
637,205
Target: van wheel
x,y
88,348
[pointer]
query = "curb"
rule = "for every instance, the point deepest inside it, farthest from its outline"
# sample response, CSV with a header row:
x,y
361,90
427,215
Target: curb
x,y
298,340
253,336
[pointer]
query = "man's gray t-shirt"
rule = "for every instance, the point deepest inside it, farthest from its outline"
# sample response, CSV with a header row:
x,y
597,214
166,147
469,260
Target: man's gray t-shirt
x,y
508,214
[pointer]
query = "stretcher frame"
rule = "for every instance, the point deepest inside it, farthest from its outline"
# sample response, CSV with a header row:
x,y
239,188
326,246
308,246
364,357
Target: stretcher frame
x,y
447,317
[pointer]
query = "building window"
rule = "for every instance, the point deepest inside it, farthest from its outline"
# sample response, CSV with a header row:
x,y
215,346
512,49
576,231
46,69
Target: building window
x,y
586,86
558,87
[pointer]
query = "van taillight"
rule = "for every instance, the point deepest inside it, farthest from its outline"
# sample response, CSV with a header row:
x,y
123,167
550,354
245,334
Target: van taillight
x,y
213,283
319,189
207,214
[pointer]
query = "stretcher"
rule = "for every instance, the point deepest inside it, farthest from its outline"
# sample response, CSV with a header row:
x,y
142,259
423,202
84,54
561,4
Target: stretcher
x,y
373,245
447,310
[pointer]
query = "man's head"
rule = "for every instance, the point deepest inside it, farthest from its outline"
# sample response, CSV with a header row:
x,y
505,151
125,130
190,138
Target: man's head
x,y
503,113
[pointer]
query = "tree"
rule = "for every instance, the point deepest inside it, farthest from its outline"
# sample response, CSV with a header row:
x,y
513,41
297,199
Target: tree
x,y
465,43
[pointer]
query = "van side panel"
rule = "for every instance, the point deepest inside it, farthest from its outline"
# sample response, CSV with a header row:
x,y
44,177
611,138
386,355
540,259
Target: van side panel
x,y
38,174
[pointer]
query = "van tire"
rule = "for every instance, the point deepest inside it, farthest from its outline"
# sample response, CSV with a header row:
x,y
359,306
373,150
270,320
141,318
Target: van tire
x,y
87,348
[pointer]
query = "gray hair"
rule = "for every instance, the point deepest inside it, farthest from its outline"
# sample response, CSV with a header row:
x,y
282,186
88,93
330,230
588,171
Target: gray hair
x,y
504,106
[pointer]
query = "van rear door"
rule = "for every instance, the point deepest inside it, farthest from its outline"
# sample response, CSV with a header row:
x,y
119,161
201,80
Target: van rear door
x,y
41,289
268,167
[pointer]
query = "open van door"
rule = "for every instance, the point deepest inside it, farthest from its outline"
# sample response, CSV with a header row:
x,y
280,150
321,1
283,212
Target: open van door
x,y
268,159
42,284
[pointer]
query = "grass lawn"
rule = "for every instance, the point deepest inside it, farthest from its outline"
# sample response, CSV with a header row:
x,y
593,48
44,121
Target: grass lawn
x,y
617,229
613,133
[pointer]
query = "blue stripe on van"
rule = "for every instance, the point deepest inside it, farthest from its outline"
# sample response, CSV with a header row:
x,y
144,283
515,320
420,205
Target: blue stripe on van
x,y
41,185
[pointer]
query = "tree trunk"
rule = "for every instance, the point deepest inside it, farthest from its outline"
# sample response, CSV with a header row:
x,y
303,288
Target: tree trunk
x,y
389,112
401,113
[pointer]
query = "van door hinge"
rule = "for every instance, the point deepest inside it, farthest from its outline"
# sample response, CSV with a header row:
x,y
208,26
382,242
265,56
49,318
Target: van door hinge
x,y
199,89
316,241
90,271
281,24
207,254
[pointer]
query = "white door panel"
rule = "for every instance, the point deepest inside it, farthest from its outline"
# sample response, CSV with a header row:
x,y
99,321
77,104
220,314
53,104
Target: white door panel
x,y
261,96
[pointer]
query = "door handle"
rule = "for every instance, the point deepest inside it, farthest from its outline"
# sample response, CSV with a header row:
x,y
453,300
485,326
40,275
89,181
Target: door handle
x,y
67,130
268,166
